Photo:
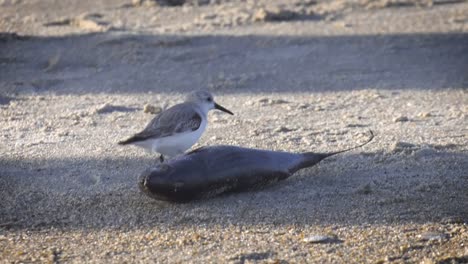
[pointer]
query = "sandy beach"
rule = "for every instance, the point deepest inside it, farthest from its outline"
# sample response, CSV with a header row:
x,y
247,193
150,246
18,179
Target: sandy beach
x,y
78,76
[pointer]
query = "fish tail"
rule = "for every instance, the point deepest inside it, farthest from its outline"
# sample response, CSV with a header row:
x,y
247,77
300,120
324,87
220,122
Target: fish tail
x,y
309,159
129,141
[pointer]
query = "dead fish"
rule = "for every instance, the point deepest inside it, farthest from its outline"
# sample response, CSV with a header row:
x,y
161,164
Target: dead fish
x,y
210,171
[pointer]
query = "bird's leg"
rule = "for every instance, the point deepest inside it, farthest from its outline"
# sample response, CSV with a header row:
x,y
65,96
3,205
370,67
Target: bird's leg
x,y
161,158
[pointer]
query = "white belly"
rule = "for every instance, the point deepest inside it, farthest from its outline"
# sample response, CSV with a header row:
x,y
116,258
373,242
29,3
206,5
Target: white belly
x,y
175,144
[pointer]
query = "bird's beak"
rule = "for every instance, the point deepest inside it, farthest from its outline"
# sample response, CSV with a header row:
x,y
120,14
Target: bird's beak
x,y
217,106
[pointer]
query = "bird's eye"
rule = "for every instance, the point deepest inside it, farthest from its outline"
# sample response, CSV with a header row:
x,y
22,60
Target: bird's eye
x,y
209,99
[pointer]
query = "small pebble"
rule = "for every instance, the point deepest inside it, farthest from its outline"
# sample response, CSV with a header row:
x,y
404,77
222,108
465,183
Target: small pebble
x,y
283,129
453,220
356,125
401,146
342,24
46,129
91,123
63,133
432,236
319,108
89,23
138,3
152,109
308,141
260,15
275,14
401,119
427,260
208,16
268,101
424,114
320,239
103,109
303,106
366,189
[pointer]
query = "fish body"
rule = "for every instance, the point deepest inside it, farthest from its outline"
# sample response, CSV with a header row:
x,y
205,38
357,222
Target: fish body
x,y
210,171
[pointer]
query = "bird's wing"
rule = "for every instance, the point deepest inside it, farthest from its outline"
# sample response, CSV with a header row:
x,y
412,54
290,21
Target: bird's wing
x,y
177,119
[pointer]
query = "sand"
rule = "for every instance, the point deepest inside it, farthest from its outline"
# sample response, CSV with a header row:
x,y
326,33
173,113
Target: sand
x,y
78,76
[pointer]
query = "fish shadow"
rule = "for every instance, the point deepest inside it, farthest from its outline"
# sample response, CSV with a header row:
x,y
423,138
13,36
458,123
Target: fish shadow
x,y
346,189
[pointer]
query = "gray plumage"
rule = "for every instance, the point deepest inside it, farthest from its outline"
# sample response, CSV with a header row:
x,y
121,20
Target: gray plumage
x,y
177,119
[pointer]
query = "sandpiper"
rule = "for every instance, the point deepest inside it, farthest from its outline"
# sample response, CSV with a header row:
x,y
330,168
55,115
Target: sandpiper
x,y
178,128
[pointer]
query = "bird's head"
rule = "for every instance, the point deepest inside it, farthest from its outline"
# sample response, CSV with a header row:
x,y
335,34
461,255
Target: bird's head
x,y
206,101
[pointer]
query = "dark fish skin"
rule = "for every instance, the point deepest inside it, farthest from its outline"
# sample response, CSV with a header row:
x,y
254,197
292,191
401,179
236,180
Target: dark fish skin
x,y
210,171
